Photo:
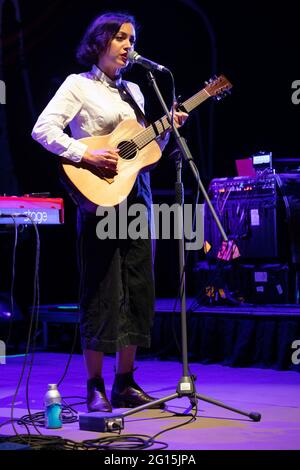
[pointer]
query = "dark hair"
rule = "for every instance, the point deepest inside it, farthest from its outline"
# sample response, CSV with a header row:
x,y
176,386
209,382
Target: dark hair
x,y
99,34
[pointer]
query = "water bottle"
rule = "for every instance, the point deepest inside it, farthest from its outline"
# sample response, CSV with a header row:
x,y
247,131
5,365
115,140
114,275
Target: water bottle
x,y
52,404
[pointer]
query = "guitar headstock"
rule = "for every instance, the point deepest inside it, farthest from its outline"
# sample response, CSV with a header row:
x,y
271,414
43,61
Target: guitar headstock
x,y
218,87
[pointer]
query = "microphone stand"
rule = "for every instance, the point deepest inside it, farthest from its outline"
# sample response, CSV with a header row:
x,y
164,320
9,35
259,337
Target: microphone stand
x,y
186,386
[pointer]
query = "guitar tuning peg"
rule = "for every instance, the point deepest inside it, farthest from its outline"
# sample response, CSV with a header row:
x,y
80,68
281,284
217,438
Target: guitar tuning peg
x,y
206,82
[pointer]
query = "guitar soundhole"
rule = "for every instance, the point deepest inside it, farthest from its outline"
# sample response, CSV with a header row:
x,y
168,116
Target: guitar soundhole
x,y
127,149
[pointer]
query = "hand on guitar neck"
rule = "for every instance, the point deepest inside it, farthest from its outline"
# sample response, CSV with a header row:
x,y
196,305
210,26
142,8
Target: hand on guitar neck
x,y
179,119
105,159
179,116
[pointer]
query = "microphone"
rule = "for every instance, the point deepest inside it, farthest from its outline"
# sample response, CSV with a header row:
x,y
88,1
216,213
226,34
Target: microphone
x,y
135,58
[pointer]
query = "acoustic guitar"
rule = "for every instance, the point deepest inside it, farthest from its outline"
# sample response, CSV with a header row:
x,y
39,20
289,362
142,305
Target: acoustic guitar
x,y
138,152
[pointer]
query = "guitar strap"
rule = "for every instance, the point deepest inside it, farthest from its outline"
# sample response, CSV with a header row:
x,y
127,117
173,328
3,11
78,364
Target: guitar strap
x,y
138,110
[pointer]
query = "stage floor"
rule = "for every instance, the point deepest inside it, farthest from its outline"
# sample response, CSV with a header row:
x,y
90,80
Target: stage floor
x,y
274,394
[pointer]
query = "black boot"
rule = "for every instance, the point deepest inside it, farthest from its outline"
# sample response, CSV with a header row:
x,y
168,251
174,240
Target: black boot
x,y
96,396
126,393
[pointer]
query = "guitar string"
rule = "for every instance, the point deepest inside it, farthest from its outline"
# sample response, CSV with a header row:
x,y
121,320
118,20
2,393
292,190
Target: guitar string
x,y
147,134
162,124
138,142
191,103
146,137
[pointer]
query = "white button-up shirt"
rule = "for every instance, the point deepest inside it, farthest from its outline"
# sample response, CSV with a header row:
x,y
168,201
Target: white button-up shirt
x,y
91,104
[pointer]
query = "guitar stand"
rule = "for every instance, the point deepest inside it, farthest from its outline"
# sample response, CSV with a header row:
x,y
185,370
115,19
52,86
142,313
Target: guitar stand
x,y
186,386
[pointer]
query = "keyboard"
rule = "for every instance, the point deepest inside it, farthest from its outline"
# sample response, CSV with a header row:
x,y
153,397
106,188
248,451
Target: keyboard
x,y
25,209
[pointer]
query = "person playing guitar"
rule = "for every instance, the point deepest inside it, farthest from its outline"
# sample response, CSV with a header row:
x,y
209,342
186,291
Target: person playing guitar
x,y
117,286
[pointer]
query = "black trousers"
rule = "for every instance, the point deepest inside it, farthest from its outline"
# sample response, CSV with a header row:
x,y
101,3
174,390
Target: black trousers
x,y
116,289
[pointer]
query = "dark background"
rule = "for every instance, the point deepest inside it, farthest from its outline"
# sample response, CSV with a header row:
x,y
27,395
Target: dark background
x,y
255,44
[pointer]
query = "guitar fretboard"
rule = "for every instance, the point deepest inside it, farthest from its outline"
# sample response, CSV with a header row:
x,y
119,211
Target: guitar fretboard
x,y
162,124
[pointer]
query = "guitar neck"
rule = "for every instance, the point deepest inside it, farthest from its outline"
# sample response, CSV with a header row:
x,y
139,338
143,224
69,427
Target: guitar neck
x,y
161,125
